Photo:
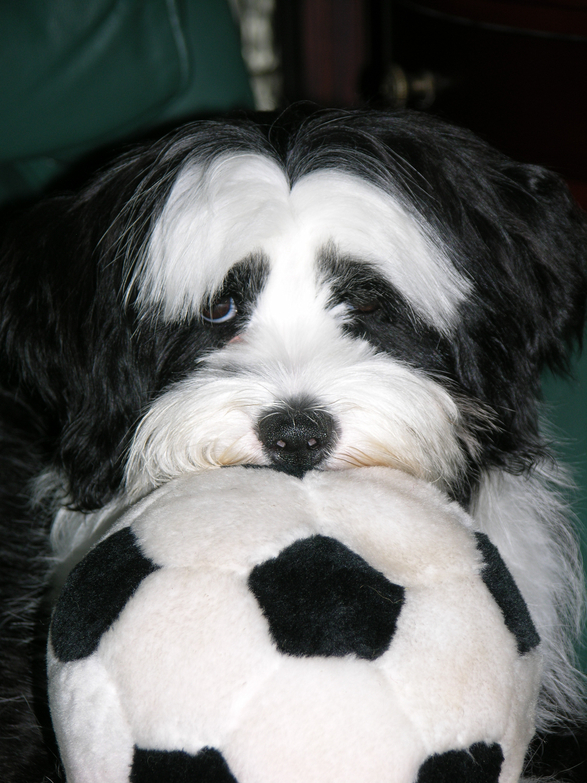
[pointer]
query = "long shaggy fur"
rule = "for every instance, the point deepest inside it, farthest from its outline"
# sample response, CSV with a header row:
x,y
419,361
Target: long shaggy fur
x,y
375,289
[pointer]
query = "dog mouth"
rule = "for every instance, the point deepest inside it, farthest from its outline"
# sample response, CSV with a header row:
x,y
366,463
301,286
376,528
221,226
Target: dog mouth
x,y
364,410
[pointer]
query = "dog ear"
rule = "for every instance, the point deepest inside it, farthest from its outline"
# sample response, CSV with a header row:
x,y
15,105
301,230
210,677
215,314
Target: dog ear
x,y
550,262
522,240
65,343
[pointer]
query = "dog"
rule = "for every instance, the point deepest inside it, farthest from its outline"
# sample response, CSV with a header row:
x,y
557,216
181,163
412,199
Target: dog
x,y
324,290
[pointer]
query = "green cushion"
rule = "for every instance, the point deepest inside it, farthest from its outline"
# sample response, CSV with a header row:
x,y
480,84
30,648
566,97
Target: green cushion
x,y
77,75
567,410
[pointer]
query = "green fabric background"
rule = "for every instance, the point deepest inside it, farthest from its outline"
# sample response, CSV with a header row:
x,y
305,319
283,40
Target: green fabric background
x,y
566,409
77,75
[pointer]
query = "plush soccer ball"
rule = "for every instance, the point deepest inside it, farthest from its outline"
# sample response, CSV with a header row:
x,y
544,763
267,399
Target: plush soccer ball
x,y
245,625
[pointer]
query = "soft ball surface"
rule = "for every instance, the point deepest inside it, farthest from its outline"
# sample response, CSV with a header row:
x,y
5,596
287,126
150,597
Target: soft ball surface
x,y
320,598
246,625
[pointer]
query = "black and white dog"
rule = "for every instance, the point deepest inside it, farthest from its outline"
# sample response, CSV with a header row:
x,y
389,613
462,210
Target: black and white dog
x,y
336,290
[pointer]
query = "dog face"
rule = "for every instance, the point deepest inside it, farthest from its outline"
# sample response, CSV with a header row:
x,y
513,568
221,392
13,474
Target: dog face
x,y
348,289
321,294
365,294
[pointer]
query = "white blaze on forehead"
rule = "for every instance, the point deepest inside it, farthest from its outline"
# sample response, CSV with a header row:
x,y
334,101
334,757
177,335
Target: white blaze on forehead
x,y
218,214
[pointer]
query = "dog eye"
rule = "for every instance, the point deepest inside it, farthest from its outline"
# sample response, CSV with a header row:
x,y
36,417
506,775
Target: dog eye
x,y
221,311
363,308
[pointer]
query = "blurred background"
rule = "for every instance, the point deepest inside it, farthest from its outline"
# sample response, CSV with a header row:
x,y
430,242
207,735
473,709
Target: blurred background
x,y
81,76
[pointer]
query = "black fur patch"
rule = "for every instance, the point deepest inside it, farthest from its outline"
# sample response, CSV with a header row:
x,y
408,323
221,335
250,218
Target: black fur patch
x,y
95,593
507,596
177,766
320,598
481,763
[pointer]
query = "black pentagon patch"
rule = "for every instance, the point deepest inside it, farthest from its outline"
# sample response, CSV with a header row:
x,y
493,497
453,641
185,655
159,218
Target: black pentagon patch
x,y
481,763
177,766
95,593
507,596
320,598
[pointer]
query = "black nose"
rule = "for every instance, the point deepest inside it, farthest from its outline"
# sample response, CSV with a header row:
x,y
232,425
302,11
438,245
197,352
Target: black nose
x,y
295,439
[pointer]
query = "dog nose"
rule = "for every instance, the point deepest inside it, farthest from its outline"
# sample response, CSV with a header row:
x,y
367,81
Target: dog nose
x,y
296,440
